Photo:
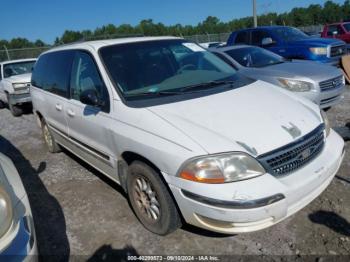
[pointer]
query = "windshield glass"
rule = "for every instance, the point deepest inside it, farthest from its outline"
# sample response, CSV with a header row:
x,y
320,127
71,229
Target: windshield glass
x,y
347,27
163,67
18,68
254,57
290,34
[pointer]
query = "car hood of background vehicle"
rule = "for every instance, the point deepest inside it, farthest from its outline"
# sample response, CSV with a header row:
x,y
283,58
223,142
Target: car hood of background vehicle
x,y
254,118
24,78
316,41
297,69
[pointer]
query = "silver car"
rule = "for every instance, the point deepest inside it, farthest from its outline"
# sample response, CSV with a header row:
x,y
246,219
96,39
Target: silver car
x,y
17,234
322,84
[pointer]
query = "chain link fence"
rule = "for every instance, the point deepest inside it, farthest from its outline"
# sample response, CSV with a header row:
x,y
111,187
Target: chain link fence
x,y
13,54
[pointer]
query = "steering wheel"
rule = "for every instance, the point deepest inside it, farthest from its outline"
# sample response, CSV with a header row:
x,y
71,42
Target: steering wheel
x,y
186,67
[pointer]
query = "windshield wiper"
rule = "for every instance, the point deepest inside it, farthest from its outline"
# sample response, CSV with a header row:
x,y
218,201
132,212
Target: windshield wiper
x,y
183,89
207,85
156,93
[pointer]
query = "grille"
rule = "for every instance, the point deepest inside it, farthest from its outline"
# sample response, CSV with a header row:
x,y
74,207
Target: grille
x,y
338,50
291,157
331,83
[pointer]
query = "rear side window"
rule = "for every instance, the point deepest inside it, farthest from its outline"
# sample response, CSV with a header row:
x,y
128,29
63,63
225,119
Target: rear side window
x,y
334,29
258,36
52,72
242,38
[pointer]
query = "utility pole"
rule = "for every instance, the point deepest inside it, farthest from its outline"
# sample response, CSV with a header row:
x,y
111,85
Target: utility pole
x,y
7,53
254,14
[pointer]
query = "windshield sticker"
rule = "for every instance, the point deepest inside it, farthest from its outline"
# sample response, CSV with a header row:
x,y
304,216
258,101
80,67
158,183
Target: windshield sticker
x,y
194,47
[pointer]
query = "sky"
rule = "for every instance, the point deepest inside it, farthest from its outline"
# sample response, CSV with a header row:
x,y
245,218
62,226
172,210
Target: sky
x,y
47,19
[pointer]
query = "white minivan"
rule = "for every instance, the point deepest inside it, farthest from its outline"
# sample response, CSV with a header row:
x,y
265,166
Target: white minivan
x,y
186,136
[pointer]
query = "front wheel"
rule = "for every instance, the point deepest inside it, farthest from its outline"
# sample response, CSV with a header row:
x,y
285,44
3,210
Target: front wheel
x,y
14,109
151,200
49,139
2,104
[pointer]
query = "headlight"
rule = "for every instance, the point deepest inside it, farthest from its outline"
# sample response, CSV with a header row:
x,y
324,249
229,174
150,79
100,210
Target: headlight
x,y
221,168
6,215
319,50
326,122
20,85
296,85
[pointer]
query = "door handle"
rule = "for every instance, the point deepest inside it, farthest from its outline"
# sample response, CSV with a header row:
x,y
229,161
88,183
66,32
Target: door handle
x,y
70,113
58,107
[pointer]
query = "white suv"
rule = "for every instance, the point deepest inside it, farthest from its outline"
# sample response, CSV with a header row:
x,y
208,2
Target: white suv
x,y
14,84
187,137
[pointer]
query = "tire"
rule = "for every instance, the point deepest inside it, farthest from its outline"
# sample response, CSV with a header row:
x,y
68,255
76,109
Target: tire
x,y
15,110
50,142
144,186
2,104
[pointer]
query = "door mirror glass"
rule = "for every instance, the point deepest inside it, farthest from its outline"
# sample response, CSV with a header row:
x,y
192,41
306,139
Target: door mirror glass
x,y
267,41
89,97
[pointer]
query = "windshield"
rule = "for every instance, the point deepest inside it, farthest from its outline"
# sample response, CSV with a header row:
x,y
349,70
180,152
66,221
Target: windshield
x,y
164,67
254,57
347,27
290,34
18,68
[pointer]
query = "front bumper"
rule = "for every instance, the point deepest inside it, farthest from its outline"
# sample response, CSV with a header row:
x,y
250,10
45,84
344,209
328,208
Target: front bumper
x,y
20,242
326,98
15,99
298,189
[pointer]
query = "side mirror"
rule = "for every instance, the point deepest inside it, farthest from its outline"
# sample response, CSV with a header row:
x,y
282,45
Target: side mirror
x,y
89,97
267,41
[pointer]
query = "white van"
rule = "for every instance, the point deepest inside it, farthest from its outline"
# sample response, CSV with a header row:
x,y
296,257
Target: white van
x,y
187,137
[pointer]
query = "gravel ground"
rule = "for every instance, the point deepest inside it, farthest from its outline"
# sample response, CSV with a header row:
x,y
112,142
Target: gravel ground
x,y
79,213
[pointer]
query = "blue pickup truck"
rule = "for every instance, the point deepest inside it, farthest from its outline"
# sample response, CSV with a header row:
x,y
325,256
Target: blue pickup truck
x,y
291,43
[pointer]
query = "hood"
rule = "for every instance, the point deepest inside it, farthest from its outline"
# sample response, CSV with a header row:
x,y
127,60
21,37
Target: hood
x,y
297,69
23,78
256,118
317,41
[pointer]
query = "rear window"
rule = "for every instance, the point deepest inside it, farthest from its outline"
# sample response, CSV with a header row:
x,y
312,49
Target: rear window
x,y
52,72
242,38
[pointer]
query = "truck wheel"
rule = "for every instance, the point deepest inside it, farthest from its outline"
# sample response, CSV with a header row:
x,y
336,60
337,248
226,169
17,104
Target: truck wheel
x,y
151,200
15,110
2,104
49,139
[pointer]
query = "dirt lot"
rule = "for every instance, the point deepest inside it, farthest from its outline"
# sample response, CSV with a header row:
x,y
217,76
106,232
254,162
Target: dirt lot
x,y
78,212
